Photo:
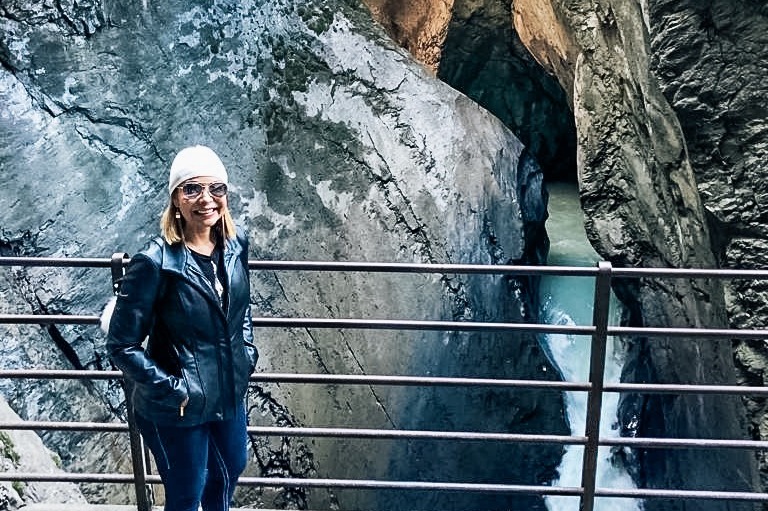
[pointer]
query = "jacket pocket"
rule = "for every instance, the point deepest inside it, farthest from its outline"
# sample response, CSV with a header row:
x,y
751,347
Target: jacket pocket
x,y
160,400
197,399
190,375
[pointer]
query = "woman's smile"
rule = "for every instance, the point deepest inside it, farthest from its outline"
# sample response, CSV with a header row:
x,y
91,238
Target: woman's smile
x,y
200,213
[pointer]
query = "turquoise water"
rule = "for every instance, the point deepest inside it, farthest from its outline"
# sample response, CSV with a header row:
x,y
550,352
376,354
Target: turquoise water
x,y
568,300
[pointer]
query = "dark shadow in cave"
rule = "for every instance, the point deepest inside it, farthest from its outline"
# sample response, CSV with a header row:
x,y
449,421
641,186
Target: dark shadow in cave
x,y
484,58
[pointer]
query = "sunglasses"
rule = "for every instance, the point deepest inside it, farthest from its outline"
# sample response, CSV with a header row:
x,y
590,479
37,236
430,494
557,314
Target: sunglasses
x,y
195,190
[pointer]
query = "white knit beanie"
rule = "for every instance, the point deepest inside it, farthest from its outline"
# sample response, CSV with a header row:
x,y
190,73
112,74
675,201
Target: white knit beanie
x,y
195,161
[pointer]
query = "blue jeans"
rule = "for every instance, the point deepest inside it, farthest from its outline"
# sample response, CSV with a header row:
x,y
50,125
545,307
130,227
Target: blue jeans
x,y
198,465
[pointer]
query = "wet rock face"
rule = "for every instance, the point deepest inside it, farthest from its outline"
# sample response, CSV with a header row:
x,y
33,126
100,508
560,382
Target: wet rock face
x,y
710,58
420,27
668,145
646,205
479,53
338,147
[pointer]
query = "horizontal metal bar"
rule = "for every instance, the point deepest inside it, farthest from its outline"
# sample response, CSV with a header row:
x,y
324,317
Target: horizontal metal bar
x,y
377,267
374,267
119,427
73,477
684,443
48,319
362,379
315,432
403,485
415,435
691,273
688,332
506,269
367,379
57,262
508,437
408,485
286,482
681,494
60,374
349,379
391,324
379,324
679,388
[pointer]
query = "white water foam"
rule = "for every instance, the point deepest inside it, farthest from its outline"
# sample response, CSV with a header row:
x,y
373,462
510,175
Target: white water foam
x,y
569,301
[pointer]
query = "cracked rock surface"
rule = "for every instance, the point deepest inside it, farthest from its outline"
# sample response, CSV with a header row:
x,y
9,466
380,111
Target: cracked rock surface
x,y
339,147
671,131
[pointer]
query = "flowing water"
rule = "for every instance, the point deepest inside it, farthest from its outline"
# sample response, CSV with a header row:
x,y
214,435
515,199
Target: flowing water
x,y
569,300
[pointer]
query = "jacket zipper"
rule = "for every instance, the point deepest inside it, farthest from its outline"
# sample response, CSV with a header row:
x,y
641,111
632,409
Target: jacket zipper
x,y
194,270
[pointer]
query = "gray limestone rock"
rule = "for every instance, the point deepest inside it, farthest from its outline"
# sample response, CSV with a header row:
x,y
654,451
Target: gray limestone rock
x,y
339,147
23,451
649,200
710,59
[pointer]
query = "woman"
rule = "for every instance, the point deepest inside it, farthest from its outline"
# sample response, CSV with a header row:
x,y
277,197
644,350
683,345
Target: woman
x,y
188,294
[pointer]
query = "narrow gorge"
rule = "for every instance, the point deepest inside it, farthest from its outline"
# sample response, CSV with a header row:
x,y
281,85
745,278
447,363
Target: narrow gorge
x,y
671,132
384,131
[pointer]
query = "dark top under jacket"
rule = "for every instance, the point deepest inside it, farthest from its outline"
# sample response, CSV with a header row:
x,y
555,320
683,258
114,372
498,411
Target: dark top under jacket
x,y
195,348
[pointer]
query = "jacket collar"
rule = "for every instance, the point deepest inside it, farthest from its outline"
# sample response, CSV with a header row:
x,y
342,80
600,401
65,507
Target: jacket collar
x,y
176,257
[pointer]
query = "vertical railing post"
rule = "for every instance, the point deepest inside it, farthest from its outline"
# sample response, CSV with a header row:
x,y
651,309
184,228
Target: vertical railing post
x,y
596,379
138,454
139,462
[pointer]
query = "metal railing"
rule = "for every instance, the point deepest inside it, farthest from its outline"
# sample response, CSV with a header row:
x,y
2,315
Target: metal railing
x,y
599,331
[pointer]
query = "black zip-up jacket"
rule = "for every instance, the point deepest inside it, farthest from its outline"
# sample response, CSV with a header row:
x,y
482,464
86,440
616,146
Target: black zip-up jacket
x,y
194,348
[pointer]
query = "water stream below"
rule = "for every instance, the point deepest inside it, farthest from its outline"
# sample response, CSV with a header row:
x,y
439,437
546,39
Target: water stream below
x,y
569,300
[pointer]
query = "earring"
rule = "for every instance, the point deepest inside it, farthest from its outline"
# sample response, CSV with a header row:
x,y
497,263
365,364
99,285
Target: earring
x,y
178,214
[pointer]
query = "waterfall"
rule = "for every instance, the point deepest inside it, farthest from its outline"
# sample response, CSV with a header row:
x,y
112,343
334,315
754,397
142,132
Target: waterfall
x,y
569,301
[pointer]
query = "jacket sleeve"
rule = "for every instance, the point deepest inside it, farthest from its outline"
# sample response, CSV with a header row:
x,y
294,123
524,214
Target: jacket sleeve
x,y
132,321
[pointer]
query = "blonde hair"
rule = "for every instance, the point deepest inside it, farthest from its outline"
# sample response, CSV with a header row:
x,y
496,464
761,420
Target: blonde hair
x,y
172,227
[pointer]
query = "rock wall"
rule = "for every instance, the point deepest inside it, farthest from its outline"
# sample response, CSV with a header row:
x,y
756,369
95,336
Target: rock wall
x,y
710,60
480,55
339,147
644,71
420,27
23,451
658,91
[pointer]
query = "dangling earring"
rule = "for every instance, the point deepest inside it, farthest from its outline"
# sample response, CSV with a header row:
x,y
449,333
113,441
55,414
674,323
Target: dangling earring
x,y
178,214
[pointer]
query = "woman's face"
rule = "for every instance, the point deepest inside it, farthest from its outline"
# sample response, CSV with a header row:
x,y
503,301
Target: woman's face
x,y
201,202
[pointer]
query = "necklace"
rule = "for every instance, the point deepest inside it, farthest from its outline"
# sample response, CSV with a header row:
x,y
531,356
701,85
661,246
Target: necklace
x,y
209,264
218,285
206,250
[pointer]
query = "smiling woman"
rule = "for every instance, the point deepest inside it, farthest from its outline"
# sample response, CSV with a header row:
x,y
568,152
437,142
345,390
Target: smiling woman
x,y
189,293
198,200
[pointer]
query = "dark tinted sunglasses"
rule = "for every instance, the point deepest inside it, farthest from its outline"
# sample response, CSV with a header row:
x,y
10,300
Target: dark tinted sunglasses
x,y
194,190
